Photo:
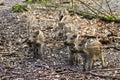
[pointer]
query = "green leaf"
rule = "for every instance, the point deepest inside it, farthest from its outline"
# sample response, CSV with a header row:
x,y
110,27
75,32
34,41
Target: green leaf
x,y
29,1
109,17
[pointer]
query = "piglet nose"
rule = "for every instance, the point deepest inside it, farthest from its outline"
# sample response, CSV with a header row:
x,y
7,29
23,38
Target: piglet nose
x,y
65,37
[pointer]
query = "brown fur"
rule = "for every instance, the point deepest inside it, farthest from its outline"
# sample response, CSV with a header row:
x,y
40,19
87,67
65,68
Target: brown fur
x,y
92,48
69,42
37,40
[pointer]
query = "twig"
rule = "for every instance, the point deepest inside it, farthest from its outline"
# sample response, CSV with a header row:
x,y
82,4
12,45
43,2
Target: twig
x,y
112,69
105,76
72,4
109,7
90,8
92,72
114,47
100,5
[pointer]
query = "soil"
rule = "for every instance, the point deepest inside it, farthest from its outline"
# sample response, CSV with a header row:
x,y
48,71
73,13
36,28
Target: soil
x,y
17,62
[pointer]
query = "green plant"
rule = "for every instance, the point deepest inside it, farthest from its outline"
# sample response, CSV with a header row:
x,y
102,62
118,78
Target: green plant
x,y
76,79
109,17
19,8
117,20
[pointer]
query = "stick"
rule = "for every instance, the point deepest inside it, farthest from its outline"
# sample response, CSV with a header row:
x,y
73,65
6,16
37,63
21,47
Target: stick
x,y
105,76
92,72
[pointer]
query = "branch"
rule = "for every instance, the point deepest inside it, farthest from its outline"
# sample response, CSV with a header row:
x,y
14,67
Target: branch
x,y
100,5
105,76
114,47
109,7
92,72
90,8
112,69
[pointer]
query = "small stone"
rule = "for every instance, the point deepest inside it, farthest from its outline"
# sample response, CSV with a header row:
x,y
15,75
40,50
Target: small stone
x,y
61,51
57,76
56,79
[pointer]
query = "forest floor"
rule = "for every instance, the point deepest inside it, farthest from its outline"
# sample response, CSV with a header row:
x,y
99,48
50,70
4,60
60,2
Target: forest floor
x,y
16,62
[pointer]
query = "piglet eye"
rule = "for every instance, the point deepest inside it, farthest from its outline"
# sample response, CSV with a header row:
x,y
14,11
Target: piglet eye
x,y
72,38
80,44
75,35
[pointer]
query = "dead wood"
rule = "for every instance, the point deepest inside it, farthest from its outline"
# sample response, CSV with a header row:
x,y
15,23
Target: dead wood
x,y
112,69
92,72
114,47
105,76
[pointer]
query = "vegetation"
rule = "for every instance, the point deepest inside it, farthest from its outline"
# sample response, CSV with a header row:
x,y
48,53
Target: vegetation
x,y
101,13
105,16
19,8
56,40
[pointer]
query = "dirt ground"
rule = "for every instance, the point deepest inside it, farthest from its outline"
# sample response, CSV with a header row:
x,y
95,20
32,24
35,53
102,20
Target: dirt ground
x,y
16,61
